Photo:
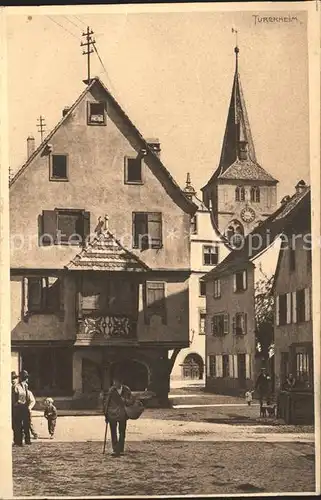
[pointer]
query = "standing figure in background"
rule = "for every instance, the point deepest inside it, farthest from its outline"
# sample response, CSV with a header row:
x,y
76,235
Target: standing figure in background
x,y
290,382
14,424
248,397
262,386
118,397
21,410
50,414
32,402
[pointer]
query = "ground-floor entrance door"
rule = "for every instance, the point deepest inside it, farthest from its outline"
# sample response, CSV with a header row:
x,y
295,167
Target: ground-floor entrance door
x,y
241,367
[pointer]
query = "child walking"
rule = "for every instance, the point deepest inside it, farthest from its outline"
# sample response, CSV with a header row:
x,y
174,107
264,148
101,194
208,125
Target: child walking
x,y
249,397
50,414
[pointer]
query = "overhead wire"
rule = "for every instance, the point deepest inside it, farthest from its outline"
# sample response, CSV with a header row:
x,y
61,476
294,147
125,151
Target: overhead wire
x,y
65,29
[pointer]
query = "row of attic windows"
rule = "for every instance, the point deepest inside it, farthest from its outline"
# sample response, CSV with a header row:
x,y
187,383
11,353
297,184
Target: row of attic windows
x,y
96,115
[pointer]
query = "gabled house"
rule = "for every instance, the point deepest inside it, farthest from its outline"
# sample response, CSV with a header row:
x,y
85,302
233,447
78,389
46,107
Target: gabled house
x,y
230,297
100,257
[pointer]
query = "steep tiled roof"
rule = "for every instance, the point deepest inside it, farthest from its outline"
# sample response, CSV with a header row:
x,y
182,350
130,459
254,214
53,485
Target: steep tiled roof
x,y
169,183
265,233
246,170
238,130
105,253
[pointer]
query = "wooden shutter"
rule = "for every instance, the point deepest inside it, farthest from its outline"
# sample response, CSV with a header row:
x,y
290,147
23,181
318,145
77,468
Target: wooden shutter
x,y
235,367
247,366
277,309
49,228
226,324
155,229
219,365
307,301
234,325
24,298
234,282
86,225
34,294
245,324
208,366
244,280
231,366
288,308
293,302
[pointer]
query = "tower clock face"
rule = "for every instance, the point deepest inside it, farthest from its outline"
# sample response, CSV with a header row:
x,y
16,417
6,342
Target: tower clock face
x,y
248,214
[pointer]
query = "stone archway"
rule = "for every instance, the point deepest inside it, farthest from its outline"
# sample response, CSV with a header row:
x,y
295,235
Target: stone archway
x,y
193,367
134,374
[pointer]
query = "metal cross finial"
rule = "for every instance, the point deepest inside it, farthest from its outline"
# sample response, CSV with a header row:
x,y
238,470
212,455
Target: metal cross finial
x,y
106,222
188,179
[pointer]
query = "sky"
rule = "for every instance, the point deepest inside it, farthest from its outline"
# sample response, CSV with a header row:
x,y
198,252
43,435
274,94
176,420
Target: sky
x,y
172,73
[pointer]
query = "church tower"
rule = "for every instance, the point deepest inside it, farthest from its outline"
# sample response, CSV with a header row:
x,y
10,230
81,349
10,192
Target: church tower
x,y
240,193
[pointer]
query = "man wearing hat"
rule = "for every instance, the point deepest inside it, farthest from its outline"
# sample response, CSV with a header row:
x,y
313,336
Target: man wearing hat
x,y
14,380
21,402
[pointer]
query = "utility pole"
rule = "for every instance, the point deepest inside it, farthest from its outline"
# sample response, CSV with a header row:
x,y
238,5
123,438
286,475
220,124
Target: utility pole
x,y
88,44
41,126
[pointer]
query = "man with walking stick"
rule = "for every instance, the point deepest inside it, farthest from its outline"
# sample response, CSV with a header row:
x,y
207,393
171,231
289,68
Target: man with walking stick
x,y
118,397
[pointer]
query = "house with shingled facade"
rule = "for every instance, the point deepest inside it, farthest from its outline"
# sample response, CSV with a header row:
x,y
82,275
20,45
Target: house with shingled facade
x,y
100,257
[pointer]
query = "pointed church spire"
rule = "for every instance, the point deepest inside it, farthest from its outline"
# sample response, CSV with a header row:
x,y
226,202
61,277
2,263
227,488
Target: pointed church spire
x,y
238,142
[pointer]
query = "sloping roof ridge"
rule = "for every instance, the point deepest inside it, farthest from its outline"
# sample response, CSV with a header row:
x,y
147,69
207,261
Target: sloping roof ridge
x,y
53,131
146,145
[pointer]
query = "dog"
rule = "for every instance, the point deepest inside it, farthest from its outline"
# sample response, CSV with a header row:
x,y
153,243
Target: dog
x,y
267,410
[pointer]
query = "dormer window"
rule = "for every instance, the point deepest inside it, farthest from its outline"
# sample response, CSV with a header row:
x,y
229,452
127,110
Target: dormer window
x,y
96,113
58,168
133,170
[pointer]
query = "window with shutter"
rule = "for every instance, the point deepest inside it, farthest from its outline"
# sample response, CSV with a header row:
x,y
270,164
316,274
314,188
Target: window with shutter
x,y
44,294
240,281
220,325
147,230
64,226
202,287
225,364
240,324
202,322
194,224
235,366
218,365
211,360
155,302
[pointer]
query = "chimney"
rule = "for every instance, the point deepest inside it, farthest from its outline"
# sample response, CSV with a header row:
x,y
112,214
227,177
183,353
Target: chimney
x,y
65,110
154,144
285,199
300,187
31,145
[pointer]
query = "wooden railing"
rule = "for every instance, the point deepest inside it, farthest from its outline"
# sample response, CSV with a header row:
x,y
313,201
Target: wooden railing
x,y
106,328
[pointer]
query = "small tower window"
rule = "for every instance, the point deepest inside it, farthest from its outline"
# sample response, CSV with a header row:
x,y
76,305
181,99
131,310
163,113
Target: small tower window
x,y
239,193
235,233
255,194
194,224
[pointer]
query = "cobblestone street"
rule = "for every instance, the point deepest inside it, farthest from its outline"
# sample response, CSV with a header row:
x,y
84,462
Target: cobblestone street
x,y
217,449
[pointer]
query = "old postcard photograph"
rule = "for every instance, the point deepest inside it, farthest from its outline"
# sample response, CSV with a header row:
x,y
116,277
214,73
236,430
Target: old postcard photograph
x,y
160,250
